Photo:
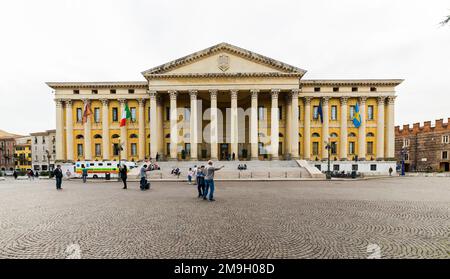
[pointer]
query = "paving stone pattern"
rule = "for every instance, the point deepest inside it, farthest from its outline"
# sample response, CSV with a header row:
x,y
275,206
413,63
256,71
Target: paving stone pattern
x,y
404,217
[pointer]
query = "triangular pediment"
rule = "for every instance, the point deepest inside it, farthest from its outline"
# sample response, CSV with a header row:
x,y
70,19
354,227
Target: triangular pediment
x,y
224,59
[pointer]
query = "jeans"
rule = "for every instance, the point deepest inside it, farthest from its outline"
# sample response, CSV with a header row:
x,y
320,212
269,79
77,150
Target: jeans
x,y
58,183
209,188
200,185
84,178
124,180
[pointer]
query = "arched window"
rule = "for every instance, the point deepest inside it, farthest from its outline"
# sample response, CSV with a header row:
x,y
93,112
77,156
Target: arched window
x,y
133,136
97,136
80,137
352,135
115,136
316,135
300,135
168,136
148,136
280,135
370,135
333,135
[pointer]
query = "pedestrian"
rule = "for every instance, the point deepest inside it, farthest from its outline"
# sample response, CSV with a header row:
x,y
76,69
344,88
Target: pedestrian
x,y
234,156
143,176
390,171
58,175
15,174
124,175
201,181
209,181
36,174
190,173
194,174
84,173
157,156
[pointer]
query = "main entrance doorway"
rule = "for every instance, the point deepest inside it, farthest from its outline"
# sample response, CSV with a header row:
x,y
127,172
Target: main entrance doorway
x,y
445,166
224,151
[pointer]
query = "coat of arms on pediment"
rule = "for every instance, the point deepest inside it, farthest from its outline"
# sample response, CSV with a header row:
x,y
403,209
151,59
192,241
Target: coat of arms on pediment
x,y
224,62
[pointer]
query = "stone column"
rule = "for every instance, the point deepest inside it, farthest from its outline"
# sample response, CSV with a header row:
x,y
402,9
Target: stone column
x,y
160,125
274,125
254,125
390,129
294,125
325,127
141,146
214,126
234,123
194,125
307,129
105,130
123,133
69,131
362,130
153,125
344,130
173,125
380,129
288,126
59,145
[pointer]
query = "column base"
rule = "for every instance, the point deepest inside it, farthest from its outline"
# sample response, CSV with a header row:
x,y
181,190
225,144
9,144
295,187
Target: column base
x,y
254,159
343,159
275,159
380,159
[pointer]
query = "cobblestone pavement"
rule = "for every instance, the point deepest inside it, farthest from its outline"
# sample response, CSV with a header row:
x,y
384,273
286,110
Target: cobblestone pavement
x,y
391,218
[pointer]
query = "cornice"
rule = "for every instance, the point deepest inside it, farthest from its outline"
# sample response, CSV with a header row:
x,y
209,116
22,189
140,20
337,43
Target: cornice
x,y
218,75
97,85
352,82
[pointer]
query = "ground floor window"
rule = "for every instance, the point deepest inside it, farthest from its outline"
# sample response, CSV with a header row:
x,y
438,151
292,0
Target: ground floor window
x,y
351,147
187,148
336,167
80,149
354,167
168,149
133,149
334,148
315,148
98,149
373,167
370,148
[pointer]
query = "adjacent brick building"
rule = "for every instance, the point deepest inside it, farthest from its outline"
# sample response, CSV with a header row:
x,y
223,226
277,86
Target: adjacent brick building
x,y
7,148
426,148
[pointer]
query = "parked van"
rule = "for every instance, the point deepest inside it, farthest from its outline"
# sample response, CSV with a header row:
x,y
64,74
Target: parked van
x,y
97,169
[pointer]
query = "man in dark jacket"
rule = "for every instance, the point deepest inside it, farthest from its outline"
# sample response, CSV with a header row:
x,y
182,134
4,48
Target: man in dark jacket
x,y
58,175
124,175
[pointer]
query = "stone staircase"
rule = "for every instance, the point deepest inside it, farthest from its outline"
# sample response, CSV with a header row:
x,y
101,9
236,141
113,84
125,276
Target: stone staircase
x,y
256,170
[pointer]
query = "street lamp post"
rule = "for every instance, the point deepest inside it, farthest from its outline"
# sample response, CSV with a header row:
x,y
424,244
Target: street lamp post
x,y
328,148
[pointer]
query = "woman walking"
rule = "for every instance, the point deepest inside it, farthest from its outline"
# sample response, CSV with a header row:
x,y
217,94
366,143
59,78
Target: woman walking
x,y
124,175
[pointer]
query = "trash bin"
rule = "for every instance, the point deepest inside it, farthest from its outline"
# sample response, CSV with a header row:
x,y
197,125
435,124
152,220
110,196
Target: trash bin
x,y
353,174
108,176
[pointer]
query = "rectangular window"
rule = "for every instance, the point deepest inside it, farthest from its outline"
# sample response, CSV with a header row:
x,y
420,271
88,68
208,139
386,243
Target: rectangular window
x,y
98,150
299,113
336,89
79,115
261,113
76,92
80,150
370,113
130,91
261,148
336,167
133,149
168,149
95,92
316,89
280,113
373,89
115,115
373,167
187,148
406,157
405,142
354,89
444,155
352,112
445,139
370,148
112,91
351,147
116,149
354,167
315,148
333,112
97,115
167,113
333,148
315,112
133,114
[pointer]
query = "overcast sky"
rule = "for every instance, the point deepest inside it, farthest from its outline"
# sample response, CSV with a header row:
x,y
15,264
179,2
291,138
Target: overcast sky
x,y
58,40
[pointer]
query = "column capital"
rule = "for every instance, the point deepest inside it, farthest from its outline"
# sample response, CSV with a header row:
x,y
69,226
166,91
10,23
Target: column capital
x,y
173,95
234,94
86,101
68,102
307,100
193,94
344,100
391,99
362,99
325,100
255,93
213,94
295,93
275,93
381,100
59,102
152,93
122,101
141,102
105,102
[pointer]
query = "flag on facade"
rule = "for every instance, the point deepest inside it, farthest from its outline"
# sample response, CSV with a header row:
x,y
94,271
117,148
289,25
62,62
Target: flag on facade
x,y
357,117
126,114
320,111
87,112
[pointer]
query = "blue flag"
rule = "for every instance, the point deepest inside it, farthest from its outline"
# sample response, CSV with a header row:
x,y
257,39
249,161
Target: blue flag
x,y
320,111
357,117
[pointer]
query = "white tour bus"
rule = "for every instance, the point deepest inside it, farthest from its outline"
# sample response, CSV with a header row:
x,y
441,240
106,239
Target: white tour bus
x,y
99,169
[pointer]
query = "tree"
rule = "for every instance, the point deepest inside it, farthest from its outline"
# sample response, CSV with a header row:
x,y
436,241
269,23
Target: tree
x,y
445,21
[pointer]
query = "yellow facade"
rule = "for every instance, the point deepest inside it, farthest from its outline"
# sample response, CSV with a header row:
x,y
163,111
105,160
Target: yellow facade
x,y
22,156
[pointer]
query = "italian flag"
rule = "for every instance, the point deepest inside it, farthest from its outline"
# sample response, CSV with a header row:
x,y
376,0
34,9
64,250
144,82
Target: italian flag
x,y
126,114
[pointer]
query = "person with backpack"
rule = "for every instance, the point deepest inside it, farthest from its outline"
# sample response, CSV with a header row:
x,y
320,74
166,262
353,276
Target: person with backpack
x,y
59,176
84,173
201,181
144,185
123,175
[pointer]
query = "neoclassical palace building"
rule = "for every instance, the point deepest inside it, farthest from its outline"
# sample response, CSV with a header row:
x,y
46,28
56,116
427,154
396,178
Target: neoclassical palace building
x,y
225,101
